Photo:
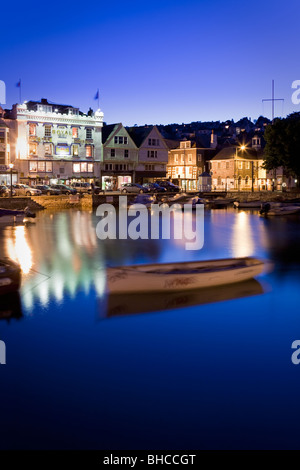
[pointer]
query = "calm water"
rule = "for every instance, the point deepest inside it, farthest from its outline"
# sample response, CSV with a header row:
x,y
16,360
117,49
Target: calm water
x,y
214,372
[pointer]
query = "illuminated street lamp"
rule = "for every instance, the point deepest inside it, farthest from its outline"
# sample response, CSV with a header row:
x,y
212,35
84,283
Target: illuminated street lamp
x,y
11,165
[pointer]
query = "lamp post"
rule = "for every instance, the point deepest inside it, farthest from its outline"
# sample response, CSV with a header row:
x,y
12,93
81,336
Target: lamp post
x,y
11,165
242,147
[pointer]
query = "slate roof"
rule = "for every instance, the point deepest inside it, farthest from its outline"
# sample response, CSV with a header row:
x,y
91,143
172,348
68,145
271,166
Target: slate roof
x,y
229,153
139,134
107,130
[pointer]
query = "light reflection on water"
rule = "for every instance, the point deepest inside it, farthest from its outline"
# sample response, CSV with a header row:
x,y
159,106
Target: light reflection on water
x,y
210,371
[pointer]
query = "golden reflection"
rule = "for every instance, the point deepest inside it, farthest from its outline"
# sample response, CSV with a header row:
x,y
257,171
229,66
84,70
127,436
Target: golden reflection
x,y
19,250
242,237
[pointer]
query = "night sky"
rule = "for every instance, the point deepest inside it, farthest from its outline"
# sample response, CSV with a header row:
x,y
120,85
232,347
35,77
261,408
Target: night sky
x,y
155,62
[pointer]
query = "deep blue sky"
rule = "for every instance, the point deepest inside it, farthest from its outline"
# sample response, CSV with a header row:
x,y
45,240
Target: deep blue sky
x,y
157,62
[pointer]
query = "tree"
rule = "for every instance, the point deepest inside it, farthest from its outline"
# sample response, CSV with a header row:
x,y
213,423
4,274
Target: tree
x,y
283,144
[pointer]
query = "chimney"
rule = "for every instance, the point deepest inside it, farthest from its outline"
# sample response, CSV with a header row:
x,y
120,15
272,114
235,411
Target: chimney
x,y
213,140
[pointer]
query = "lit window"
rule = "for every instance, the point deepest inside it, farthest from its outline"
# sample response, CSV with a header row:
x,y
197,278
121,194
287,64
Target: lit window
x,y
48,167
47,131
240,165
48,149
33,166
76,167
32,149
190,158
75,132
32,129
247,165
83,167
88,151
41,167
75,150
90,168
176,158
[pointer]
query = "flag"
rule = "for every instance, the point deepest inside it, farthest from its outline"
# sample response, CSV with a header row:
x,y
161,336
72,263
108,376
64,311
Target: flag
x,y
18,85
97,95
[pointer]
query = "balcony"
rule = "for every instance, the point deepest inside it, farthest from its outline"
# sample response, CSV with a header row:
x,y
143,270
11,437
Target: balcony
x,y
89,141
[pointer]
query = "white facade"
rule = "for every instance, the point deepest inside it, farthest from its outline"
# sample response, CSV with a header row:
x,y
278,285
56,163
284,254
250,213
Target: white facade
x,y
57,145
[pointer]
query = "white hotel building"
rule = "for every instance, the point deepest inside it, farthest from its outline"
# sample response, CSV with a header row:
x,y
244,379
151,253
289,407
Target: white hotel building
x,y
56,142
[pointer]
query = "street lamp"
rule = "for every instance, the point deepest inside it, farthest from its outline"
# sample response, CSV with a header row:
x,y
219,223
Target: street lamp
x,y
11,165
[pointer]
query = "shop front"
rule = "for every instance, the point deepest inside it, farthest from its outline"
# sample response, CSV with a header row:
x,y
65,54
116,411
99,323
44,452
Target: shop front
x,y
6,175
114,182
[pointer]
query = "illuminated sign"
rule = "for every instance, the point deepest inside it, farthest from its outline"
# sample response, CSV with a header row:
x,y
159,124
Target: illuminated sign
x,y
62,150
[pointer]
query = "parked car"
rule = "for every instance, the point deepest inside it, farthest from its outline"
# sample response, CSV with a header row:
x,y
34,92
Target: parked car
x,y
64,189
170,187
4,191
13,190
133,188
154,188
25,190
47,190
83,188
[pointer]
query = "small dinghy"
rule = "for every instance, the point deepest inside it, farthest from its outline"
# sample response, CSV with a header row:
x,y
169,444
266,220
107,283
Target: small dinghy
x,y
10,276
9,216
172,277
269,210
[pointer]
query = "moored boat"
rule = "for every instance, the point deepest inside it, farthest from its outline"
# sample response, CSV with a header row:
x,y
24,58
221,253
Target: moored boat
x,y
272,210
10,276
170,277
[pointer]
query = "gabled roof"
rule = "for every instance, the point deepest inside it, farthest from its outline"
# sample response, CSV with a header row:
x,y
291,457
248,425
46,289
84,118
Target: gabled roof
x,y
139,134
172,144
229,153
107,130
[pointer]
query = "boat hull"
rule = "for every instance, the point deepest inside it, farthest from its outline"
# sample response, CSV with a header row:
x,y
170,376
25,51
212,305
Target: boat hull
x,y
10,276
173,277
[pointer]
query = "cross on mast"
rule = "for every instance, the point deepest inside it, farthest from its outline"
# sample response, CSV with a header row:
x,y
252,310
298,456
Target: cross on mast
x,y
273,100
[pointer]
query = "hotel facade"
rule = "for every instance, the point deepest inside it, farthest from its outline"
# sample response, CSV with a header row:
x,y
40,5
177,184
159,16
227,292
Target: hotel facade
x,y
55,142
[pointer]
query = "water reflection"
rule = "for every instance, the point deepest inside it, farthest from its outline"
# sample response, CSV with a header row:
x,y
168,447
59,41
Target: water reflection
x,y
10,307
118,304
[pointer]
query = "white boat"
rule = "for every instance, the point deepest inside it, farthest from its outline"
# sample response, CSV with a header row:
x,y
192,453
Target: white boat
x,y
272,210
247,204
170,277
9,216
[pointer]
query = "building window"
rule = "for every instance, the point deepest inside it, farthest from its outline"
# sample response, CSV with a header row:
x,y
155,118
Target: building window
x,y
176,158
152,153
83,167
33,166
89,151
247,165
32,129
90,168
240,165
120,140
116,139
88,133
41,167
76,167
49,168
200,157
247,180
75,132
48,149
125,140
112,153
75,150
47,131
153,142
189,158
32,149
126,153
2,137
